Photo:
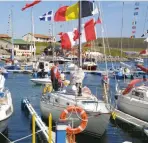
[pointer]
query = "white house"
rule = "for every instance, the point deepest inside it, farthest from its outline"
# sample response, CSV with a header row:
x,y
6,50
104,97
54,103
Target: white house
x,y
21,47
37,38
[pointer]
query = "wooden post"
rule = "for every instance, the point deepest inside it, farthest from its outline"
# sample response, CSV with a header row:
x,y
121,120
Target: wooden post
x,y
50,129
33,128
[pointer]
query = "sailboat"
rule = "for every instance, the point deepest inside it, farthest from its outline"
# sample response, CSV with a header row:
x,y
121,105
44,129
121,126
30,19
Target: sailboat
x,y
98,111
6,105
133,100
12,64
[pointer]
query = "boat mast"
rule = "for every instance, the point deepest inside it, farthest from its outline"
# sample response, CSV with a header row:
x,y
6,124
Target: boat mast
x,y
12,40
80,46
32,27
122,28
103,42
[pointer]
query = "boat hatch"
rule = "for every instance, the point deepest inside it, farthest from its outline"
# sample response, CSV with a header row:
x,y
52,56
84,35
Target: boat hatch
x,y
138,94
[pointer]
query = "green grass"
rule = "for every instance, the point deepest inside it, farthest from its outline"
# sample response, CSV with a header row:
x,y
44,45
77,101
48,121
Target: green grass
x,y
128,44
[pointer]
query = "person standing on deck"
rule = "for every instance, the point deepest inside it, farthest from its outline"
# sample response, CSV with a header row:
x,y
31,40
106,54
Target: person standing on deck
x,y
56,76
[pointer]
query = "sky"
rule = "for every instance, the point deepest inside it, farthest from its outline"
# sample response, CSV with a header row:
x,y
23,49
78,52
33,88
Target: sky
x,y
111,12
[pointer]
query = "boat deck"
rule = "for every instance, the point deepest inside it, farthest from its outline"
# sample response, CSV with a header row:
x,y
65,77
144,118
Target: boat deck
x,y
132,120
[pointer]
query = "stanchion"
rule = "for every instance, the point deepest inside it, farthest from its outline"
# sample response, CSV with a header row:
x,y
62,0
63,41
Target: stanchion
x,y
33,128
50,129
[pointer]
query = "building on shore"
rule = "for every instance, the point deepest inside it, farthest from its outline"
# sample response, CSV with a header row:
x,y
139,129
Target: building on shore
x,y
38,38
4,36
21,47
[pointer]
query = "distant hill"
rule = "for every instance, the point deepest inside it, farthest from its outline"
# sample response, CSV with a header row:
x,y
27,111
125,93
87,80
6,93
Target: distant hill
x,y
126,42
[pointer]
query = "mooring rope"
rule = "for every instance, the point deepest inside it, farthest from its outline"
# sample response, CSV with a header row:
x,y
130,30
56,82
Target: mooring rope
x,y
24,137
5,137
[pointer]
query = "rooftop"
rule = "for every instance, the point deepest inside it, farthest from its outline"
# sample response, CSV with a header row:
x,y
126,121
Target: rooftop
x,y
39,36
17,41
4,36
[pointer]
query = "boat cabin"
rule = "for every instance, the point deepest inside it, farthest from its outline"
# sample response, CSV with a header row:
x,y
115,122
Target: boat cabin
x,y
42,65
140,92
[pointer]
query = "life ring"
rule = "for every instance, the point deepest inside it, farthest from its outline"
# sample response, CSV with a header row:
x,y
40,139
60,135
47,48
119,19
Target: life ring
x,y
83,115
47,88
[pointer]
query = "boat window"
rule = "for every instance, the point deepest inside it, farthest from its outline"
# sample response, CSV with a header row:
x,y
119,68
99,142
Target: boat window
x,y
139,94
46,64
86,102
133,92
41,65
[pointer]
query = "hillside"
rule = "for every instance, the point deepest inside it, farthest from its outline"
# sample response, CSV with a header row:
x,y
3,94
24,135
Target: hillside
x,y
135,43
128,44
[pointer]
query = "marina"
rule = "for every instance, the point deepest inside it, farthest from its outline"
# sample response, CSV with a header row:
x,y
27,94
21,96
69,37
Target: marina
x,y
69,80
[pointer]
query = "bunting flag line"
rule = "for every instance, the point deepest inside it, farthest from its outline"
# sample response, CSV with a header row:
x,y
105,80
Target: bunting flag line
x,y
47,16
137,3
137,8
144,34
134,22
133,27
133,32
135,13
67,13
31,4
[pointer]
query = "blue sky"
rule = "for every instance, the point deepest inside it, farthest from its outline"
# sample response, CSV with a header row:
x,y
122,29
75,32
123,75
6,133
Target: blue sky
x,y
112,14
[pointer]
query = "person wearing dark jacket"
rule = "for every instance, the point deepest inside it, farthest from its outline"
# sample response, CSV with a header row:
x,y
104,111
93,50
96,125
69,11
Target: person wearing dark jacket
x,y
55,76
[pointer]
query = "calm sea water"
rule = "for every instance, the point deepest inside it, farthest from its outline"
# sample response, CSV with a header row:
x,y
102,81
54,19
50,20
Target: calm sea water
x,y
19,125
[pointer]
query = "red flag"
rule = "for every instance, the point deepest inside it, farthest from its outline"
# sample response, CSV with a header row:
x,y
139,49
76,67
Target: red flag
x,y
31,4
98,21
143,52
133,31
87,45
143,68
76,34
88,32
67,41
60,34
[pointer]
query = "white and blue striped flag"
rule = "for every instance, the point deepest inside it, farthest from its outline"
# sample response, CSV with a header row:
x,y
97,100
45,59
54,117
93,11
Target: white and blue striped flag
x,y
47,16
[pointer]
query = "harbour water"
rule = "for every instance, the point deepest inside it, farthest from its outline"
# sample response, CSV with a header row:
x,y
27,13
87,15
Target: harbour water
x,y
19,125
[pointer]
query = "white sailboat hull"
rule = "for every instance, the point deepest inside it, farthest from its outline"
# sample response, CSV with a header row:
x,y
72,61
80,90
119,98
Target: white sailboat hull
x,y
6,110
4,125
41,80
96,124
135,107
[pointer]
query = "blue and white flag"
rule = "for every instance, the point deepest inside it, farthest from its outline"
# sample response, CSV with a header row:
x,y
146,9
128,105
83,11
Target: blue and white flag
x,y
47,16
